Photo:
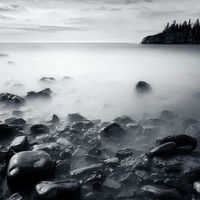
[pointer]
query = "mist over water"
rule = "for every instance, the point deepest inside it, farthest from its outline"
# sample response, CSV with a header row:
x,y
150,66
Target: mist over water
x,y
104,76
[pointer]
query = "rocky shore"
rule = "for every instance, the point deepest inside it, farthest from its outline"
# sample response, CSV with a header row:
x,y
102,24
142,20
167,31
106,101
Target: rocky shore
x,y
78,158
186,33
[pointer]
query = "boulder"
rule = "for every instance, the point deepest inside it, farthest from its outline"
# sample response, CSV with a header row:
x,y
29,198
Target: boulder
x,y
143,87
53,119
28,167
54,190
180,140
193,130
76,117
167,115
41,95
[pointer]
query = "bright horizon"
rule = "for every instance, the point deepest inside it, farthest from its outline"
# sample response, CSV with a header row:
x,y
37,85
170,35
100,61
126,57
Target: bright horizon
x,y
89,21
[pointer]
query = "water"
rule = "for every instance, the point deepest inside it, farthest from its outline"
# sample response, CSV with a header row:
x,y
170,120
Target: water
x,y
104,75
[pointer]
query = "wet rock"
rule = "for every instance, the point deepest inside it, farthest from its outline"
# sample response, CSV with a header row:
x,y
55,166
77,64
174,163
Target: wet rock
x,y
41,95
156,122
83,126
94,195
52,148
112,130
5,153
47,80
53,119
193,130
62,168
196,186
186,123
165,149
184,150
111,184
183,168
124,153
19,144
47,91
96,176
124,120
127,164
76,117
158,192
143,177
111,162
65,142
39,129
167,115
27,167
7,131
11,100
180,186
180,140
143,87
94,152
15,196
54,190
85,170
18,122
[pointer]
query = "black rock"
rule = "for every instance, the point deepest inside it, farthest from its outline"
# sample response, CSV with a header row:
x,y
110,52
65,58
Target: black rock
x,y
41,95
165,149
28,167
15,196
39,129
57,190
151,192
181,167
83,126
7,131
18,122
112,130
136,129
143,87
124,120
11,100
167,115
180,140
93,196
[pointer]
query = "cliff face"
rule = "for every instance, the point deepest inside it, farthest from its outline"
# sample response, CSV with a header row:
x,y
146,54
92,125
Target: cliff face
x,y
176,34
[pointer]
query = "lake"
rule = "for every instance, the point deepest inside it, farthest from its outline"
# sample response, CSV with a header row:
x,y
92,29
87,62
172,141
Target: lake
x,y
103,76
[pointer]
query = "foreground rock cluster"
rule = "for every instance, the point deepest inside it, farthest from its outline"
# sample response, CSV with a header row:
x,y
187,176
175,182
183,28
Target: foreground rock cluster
x,y
81,159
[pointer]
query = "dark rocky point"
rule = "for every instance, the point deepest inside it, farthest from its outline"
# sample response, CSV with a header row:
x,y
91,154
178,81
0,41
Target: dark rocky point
x,y
186,33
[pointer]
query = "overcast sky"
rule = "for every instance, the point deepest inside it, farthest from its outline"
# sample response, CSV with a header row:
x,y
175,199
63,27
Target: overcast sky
x,y
90,20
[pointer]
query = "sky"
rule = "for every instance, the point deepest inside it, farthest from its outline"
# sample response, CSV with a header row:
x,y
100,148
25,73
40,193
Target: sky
x,y
90,20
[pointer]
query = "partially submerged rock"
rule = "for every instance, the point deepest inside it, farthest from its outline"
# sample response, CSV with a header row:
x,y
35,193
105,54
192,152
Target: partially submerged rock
x,y
143,87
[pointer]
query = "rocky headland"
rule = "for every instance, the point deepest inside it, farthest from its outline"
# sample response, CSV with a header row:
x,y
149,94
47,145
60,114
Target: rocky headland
x,y
186,33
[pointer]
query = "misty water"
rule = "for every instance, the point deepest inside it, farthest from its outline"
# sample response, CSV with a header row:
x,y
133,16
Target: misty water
x,y
103,77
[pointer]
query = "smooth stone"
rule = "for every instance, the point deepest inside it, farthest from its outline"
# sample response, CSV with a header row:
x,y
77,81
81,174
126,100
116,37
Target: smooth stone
x,y
165,149
193,130
65,142
57,190
111,184
20,143
158,192
180,140
124,153
15,196
28,167
39,129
